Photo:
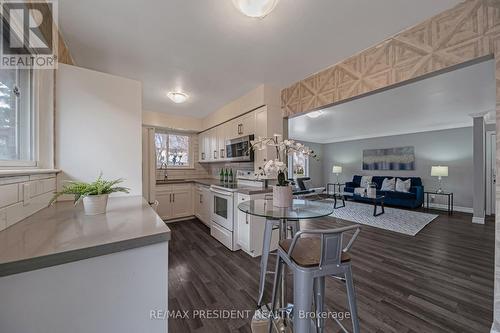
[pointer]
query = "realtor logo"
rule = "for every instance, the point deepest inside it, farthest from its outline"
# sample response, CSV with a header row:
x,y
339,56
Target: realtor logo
x,y
29,36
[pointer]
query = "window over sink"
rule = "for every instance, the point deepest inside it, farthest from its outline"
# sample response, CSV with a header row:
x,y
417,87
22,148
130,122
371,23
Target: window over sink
x,y
173,150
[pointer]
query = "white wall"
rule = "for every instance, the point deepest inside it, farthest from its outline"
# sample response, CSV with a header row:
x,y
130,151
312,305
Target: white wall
x,y
98,126
165,120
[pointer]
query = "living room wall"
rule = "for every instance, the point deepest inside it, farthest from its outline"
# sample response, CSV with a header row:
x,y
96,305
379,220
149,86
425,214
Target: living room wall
x,y
451,147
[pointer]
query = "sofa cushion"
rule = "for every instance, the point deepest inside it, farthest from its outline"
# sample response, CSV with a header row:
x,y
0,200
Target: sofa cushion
x,y
389,184
403,185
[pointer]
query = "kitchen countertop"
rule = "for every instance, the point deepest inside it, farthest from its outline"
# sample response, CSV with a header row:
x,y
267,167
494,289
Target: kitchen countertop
x,y
249,190
62,233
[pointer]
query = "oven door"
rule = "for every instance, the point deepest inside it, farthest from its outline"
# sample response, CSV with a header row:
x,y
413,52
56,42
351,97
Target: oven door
x,y
222,209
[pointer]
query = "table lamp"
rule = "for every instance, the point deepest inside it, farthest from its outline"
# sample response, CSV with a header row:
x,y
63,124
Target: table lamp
x,y
337,169
440,172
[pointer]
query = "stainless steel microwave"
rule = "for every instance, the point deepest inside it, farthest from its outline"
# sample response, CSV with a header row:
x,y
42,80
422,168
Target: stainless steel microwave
x,y
238,150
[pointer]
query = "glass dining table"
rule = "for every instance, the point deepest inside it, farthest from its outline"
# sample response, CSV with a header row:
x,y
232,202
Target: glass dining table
x,y
300,210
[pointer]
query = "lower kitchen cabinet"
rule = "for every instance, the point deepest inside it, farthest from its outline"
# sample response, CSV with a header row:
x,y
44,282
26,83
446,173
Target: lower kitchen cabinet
x,y
202,204
175,201
250,234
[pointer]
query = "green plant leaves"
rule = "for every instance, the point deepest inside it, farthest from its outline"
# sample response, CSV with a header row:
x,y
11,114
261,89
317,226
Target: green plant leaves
x,y
98,187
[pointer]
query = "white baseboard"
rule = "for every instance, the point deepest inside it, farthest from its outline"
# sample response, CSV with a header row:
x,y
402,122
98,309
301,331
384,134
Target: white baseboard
x,y
179,219
455,208
478,220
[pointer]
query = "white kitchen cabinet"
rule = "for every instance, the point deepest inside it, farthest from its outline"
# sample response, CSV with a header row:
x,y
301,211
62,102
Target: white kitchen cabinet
x,y
202,147
175,201
251,229
222,136
263,122
245,125
241,126
164,198
212,146
202,204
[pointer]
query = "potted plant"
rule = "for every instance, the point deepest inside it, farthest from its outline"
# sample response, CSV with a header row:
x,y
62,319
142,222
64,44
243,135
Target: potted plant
x,y
94,195
276,169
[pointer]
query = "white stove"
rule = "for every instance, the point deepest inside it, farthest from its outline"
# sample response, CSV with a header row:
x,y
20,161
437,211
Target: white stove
x,y
224,208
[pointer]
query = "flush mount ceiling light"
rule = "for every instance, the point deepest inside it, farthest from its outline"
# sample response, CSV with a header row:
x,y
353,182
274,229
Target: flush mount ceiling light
x,y
255,8
314,114
177,96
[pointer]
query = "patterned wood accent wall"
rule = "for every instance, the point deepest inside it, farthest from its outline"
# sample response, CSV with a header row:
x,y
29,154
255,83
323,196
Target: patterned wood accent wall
x,y
460,34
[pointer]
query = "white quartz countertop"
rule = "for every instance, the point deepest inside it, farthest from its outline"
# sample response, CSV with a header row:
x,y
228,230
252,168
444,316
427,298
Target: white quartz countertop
x,y
62,233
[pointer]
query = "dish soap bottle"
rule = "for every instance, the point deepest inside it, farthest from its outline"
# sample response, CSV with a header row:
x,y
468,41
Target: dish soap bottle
x,y
221,175
231,176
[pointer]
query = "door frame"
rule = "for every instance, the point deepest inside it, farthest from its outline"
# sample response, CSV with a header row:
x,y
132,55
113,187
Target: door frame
x,y
490,172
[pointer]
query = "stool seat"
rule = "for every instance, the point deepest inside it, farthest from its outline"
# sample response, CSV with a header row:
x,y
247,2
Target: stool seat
x,y
307,251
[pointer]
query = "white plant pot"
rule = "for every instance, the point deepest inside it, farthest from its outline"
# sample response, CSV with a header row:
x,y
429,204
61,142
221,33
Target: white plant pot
x,y
282,196
95,204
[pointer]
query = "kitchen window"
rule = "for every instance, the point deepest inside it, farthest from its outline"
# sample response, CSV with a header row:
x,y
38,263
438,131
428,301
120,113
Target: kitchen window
x,y
298,165
17,118
173,150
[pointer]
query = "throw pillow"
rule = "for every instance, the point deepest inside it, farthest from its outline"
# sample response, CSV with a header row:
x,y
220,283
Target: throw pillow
x,y
365,180
389,184
403,186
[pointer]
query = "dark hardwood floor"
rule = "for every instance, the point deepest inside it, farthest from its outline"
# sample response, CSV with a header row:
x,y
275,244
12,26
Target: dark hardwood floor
x,y
441,280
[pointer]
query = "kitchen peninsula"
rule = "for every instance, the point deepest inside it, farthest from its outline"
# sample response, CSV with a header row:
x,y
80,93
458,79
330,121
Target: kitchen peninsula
x,y
75,273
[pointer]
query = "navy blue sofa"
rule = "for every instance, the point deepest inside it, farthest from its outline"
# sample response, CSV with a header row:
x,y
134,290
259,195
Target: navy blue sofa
x,y
412,199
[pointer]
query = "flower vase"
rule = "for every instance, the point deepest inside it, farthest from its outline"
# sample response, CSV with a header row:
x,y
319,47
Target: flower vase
x,y
282,196
95,204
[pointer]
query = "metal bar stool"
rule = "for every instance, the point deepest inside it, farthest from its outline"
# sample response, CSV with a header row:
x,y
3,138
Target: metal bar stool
x,y
311,259
292,226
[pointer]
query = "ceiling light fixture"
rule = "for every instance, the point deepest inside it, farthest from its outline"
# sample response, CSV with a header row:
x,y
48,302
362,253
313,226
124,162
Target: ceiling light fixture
x,y
255,8
177,96
314,114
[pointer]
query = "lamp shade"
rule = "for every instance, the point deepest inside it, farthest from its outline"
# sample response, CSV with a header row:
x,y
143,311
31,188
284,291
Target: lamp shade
x,y
439,171
337,169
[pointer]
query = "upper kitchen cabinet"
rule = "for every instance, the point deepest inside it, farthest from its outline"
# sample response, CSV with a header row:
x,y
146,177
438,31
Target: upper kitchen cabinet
x,y
242,126
222,136
256,113
202,147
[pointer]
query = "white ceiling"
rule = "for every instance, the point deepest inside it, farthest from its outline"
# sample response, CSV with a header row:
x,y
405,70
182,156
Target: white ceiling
x,y
440,102
214,53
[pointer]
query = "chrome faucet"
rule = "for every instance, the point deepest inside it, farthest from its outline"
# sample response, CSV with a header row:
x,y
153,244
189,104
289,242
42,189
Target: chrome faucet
x,y
164,168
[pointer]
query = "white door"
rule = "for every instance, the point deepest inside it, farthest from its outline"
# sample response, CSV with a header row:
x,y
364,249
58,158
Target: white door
x,y
490,172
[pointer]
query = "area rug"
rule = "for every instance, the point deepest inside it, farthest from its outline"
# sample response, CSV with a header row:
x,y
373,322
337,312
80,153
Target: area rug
x,y
403,221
